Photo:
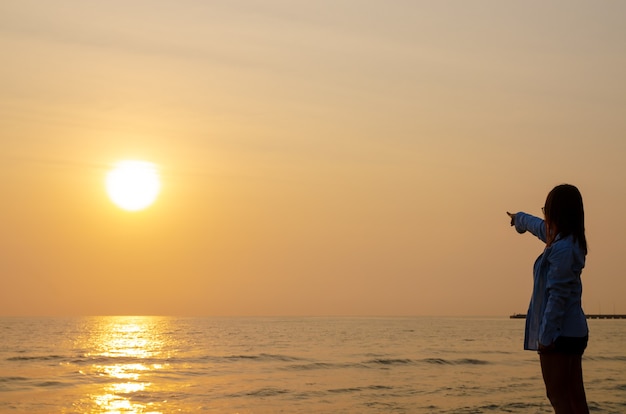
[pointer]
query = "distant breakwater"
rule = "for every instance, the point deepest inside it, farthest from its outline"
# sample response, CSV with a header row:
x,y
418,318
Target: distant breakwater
x,y
589,316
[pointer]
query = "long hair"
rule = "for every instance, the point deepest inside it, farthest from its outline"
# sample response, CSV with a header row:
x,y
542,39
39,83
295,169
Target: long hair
x,y
565,215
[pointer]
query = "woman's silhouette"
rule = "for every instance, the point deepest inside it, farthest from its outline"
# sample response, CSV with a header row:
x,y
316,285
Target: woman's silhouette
x,y
555,323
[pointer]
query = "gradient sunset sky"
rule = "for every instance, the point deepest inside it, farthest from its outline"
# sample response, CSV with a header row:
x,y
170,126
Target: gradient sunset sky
x,y
343,157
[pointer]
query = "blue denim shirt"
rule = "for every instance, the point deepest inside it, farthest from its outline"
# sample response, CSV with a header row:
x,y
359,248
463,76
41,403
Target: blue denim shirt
x,y
555,306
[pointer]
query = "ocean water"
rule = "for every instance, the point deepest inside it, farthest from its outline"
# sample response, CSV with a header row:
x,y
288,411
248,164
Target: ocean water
x,y
289,365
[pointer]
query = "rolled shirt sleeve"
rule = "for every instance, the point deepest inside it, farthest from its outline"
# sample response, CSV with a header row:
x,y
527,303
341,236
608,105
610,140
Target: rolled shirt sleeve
x,y
526,222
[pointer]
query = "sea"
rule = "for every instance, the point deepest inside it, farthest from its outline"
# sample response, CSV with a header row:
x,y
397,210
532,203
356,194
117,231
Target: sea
x,y
155,364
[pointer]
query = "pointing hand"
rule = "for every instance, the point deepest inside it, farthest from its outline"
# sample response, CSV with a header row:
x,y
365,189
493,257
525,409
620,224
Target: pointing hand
x,y
512,216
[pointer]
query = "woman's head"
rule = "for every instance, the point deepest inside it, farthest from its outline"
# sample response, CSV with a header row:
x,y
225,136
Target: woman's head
x,y
565,214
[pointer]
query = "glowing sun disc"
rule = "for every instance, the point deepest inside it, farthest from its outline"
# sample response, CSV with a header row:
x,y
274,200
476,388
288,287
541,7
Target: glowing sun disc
x,y
133,185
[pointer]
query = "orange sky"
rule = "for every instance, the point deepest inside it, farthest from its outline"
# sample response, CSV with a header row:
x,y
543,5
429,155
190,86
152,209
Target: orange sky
x,y
317,158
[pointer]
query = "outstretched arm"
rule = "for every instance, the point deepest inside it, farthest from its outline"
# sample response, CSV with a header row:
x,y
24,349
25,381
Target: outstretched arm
x,y
525,222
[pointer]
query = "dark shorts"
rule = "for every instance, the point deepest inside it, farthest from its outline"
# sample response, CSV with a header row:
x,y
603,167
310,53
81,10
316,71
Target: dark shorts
x,y
568,345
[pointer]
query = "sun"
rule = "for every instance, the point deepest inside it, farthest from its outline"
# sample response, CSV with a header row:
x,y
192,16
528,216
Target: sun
x,y
133,185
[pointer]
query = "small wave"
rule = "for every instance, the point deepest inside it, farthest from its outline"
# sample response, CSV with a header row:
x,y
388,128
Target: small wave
x,y
262,392
463,361
359,389
499,408
606,358
313,366
436,361
263,357
470,361
492,352
519,405
433,361
46,384
390,361
13,379
252,357
379,387
112,360
345,390
328,366
35,358
267,392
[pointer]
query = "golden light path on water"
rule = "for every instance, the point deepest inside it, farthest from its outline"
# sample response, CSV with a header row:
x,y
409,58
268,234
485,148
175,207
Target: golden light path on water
x,y
125,345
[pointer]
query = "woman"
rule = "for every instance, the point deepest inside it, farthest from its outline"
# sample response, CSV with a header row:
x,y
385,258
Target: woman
x,y
555,323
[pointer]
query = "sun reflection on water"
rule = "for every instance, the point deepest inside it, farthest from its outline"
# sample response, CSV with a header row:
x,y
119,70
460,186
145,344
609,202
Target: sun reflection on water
x,y
125,349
